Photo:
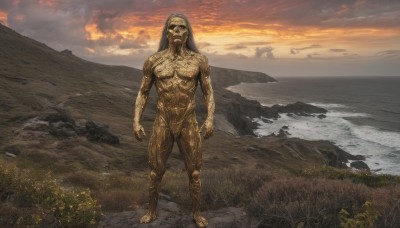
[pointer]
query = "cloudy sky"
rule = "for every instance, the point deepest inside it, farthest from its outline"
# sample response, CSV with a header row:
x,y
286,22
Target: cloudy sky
x,y
278,37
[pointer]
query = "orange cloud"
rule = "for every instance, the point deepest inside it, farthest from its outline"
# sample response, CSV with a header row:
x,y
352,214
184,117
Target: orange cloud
x,y
92,33
50,3
239,27
3,17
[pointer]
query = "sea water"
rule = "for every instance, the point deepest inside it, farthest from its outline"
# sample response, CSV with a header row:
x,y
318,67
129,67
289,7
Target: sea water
x,y
363,114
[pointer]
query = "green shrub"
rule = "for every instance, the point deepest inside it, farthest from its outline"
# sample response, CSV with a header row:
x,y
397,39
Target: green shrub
x,y
44,202
362,219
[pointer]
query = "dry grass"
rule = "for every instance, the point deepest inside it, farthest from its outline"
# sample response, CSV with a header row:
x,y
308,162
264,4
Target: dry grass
x,y
231,187
316,202
83,179
119,199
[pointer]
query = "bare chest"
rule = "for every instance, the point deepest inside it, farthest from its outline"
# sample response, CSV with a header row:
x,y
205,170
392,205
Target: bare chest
x,y
185,69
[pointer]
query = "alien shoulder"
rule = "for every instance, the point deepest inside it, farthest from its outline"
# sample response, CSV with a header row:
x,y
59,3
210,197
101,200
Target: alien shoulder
x,y
201,58
203,65
149,63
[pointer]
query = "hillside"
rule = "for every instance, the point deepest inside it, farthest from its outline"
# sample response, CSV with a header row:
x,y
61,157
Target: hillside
x,y
38,82
72,117
55,108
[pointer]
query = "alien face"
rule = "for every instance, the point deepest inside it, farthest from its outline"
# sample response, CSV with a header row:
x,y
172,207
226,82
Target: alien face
x,y
177,32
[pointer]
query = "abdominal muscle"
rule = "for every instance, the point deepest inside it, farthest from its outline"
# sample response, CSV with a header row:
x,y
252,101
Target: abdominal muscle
x,y
176,101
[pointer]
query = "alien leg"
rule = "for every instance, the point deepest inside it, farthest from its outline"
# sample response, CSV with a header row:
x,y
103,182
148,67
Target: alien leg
x,y
160,146
189,144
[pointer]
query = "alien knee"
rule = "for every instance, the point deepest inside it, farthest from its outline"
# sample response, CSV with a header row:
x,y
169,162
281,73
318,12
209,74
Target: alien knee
x,y
196,174
153,175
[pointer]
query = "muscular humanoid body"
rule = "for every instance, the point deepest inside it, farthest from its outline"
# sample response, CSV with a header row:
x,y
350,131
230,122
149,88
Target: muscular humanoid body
x,y
175,70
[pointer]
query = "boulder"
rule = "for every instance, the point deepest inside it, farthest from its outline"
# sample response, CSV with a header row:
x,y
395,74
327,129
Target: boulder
x,y
299,108
359,165
96,133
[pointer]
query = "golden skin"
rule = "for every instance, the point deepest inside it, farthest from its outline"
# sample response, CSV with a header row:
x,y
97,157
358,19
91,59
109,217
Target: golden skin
x,y
175,72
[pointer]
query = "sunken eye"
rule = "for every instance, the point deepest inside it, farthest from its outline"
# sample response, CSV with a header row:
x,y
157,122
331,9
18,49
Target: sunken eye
x,y
174,26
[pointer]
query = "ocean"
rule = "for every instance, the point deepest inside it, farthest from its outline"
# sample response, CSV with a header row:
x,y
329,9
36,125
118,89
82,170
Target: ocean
x,y
363,114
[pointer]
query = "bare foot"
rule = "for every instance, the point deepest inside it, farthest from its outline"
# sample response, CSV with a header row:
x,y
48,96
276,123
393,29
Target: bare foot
x,y
199,219
148,217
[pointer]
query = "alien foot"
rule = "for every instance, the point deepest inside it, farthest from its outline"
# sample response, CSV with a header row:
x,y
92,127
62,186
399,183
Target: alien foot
x,y
148,217
199,219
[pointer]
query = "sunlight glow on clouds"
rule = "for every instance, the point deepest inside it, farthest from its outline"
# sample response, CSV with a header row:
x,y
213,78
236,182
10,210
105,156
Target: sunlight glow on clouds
x,y
306,36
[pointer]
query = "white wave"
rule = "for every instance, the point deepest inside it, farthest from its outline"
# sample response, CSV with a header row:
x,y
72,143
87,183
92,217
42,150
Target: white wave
x,y
371,142
271,104
385,138
328,106
346,114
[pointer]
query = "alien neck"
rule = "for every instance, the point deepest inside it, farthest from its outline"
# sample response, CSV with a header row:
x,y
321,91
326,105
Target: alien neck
x,y
177,49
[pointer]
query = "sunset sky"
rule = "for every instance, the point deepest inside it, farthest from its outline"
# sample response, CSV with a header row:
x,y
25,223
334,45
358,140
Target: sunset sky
x,y
278,37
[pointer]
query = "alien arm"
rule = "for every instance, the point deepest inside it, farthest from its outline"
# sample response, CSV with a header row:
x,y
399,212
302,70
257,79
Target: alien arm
x,y
206,88
143,94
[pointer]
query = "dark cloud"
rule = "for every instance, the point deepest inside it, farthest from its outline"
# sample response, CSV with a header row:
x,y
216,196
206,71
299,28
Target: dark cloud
x,y
316,13
235,46
264,52
5,5
388,53
250,43
105,21
62,24
351,55
309,56
294,51
109,14
337,50
57,28
243,45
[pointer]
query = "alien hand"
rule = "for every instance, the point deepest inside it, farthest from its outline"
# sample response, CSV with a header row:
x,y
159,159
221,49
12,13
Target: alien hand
x,y
207,128
138,131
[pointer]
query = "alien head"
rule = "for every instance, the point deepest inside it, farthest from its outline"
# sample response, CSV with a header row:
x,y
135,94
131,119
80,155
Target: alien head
x,y
177,32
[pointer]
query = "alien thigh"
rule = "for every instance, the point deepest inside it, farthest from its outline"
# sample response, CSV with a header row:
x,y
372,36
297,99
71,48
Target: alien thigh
x,y
162,140
189,143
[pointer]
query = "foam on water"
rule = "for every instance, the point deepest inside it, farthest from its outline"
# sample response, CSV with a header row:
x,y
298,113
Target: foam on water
x,y
381,148
328,106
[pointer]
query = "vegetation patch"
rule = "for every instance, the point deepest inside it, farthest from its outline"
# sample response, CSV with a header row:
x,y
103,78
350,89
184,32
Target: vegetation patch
x,y
356,176
25,201
322,202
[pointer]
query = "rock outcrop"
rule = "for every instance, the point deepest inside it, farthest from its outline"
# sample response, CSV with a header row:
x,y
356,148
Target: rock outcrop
x,y
171,216
299,108
96,133
359,165
60,125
